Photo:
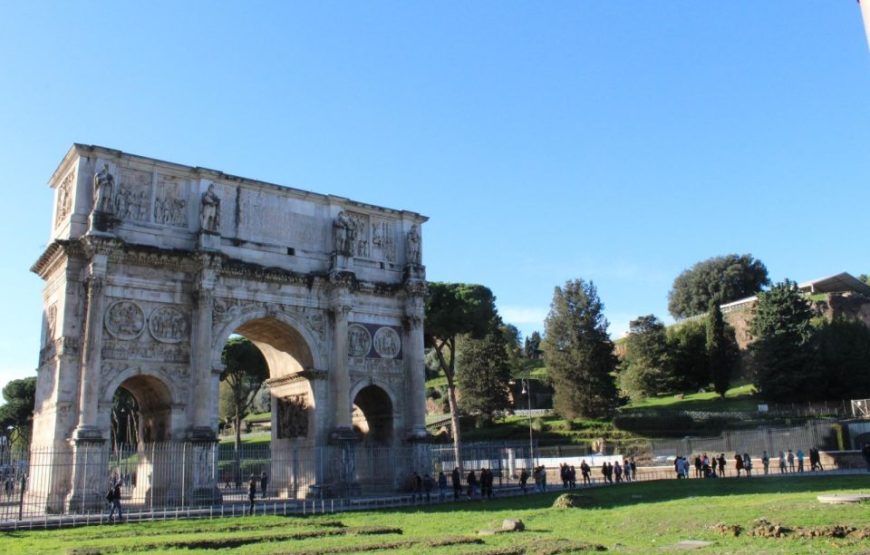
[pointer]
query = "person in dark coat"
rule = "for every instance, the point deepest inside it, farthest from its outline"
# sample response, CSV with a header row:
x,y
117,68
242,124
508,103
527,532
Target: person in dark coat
x,y
442,485
114,497
456,482
471,480
252,493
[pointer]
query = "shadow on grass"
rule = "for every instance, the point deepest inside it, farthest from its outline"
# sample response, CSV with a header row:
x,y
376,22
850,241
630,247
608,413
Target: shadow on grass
x,y
659,491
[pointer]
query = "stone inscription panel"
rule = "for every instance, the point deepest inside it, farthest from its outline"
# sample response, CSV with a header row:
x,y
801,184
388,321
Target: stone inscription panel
x,y
374,341
267,218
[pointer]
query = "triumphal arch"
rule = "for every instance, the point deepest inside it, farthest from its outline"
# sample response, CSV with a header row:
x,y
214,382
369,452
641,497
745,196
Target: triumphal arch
x,y
153,265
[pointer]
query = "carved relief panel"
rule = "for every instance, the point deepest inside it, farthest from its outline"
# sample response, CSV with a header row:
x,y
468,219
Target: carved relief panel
x,y
170,201
384,240
360,234
374,341
133,198
167,339
64,198
292,417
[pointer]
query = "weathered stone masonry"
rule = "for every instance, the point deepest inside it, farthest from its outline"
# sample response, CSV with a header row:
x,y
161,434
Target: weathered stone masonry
x,y
153,265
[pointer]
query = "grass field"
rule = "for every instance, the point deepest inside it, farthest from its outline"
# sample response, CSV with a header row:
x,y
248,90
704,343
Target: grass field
x,y
647,517
740,398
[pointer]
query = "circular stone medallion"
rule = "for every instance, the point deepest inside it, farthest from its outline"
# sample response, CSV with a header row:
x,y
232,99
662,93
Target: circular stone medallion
x,y
167,324
125,320
359,341
387,342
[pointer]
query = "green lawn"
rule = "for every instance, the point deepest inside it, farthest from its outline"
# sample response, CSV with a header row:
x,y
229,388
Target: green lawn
x,y
740,398
637,518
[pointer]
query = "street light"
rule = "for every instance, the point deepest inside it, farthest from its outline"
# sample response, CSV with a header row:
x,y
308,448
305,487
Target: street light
x,y
527,390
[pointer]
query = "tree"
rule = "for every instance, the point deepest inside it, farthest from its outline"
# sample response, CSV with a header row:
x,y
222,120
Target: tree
x,y
842,353
16,414
244,372
646,366
454,309
722,351
782,353
578,352
722,278
865,278
532,346
687,347
484,370
513,345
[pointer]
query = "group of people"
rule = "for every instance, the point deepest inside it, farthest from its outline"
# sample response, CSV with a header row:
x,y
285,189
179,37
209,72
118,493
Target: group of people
x,y
475,485
618,473
714,467
787,461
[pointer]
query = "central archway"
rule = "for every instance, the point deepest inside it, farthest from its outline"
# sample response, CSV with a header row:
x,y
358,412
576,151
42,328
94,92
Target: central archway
x,y
288,460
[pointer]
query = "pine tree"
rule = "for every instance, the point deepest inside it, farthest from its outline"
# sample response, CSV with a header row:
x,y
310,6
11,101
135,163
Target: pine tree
x,y
483,370
646,367
782,351
579,353
722,355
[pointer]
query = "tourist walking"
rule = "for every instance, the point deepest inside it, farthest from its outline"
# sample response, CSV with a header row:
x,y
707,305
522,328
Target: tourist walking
x,y
747,465
471,480
800,459
252,493
790,459
781,462
765,462
721,461
428,485
585,471
524,479
114,499
738,463
456,481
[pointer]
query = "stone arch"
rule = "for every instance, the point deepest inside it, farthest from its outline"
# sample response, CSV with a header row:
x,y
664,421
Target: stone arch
x,y
374,414
276,333
157,399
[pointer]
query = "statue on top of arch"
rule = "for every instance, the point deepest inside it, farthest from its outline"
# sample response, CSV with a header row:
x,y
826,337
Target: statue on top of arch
x,y
414,245
210,217
345,234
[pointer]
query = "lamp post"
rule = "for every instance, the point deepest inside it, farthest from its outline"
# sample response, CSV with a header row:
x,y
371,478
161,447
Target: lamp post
x,y
527,391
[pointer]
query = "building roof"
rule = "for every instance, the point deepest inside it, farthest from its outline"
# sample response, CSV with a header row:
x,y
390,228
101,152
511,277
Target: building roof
x,y
836,284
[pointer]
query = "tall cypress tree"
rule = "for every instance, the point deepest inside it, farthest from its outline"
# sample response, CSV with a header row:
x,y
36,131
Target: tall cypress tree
x,y
579,353
722,352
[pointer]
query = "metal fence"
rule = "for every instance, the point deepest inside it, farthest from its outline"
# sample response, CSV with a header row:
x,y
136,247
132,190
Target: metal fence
x,y
175,476
179,475
815,433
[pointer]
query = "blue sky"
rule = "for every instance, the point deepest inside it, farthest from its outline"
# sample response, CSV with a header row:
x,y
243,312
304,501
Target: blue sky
x,y
619,142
